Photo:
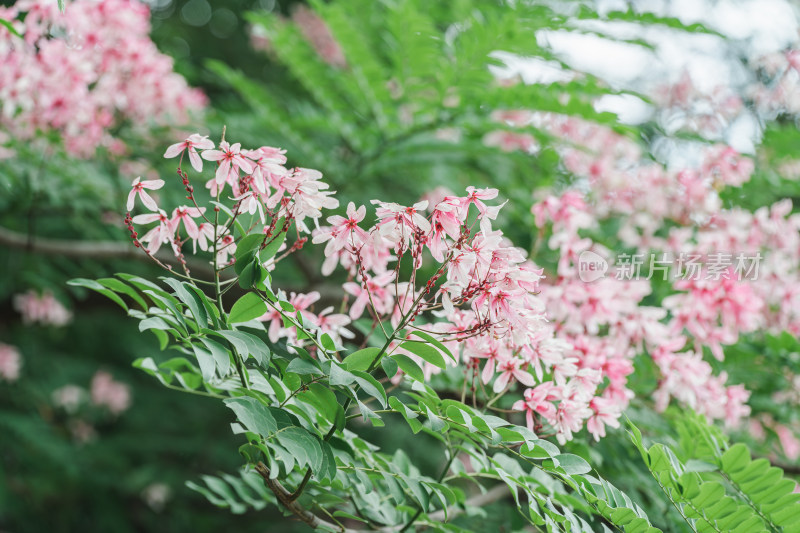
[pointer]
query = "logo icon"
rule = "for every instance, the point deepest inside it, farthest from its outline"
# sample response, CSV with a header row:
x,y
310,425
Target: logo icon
x,y
591,266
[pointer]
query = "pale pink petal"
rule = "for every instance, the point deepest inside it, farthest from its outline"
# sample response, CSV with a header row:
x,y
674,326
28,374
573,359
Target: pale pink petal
x,y
175,150
501,382
195,160
148,201
153,184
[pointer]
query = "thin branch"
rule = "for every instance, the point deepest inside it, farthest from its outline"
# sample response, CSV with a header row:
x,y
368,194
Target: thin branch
x,y
285,497
90,249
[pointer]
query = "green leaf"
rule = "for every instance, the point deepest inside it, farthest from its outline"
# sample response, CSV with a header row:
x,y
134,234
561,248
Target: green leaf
x,y
304,446
736,458
118,286
362,359
248,307
97,287
247,345
303,367
409,366
323,399
250,274
254,415
246,250
191,300
426,352
221,355
211,309
436,342
10,27
371,386
340,376
408,414
205,360
418,491
389,366
572,464
154,322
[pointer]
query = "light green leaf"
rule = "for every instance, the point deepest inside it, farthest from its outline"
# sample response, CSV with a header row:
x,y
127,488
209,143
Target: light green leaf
x,y
361,360
409,366
248,307
426,352
433,340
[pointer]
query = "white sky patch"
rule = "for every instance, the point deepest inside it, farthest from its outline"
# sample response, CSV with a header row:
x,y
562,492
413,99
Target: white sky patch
x,y
530,69
617,63
752,28
743,133
769,25
630,109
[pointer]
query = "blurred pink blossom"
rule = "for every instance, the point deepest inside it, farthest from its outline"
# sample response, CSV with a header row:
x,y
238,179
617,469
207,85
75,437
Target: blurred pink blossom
x,y
112,394
83,72
44,309
68,397
10,363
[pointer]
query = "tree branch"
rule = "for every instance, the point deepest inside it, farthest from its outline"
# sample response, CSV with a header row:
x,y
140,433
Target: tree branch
x,y
285,497
91,249
125,250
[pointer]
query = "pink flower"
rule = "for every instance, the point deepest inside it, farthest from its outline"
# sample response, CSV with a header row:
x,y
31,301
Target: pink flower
x,y
333,323
606,413
139,189
398,223
191,144
789,442
249,203
343,231
476,196
10,363
163,233
510,369
230,161
205,235
539,400
310,196
268,167
112,394
373,291
570,416
186,215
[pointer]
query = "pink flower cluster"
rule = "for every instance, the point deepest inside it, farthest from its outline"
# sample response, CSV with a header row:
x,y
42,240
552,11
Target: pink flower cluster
x,y
481,302
670,212
259,183
108,393
682,106
41,309
780,92
112,396
10,363
83,72
334,324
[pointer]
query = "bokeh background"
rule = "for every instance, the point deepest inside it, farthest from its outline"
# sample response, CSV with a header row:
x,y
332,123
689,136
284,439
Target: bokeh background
x,y
88,443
